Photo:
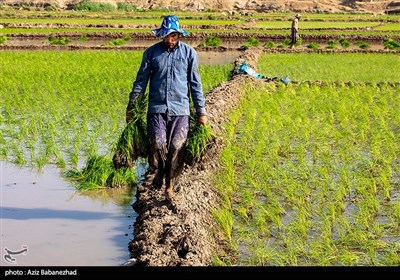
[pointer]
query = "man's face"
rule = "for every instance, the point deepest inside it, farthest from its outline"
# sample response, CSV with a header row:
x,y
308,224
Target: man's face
x,y
171,40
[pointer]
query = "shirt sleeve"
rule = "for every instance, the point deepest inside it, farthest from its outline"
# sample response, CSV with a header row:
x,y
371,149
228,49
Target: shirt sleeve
x,y
142,78
196,87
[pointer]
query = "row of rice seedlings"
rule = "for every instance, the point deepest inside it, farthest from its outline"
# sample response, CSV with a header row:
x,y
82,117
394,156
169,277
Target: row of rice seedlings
x,y
306,188
325,67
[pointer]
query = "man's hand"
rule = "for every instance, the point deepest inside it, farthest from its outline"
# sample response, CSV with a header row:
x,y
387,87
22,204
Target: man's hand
x,y
129,115
202,120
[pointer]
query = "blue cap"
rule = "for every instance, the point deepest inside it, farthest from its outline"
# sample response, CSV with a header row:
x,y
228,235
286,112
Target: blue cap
x,y
169,25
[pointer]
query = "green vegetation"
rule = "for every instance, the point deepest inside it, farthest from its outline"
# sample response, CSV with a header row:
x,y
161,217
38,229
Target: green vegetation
x,y
99,172
200,136
77,107
118,41
211,41
391,44
311,175
332,44
96,17
312,45
327,67
86,5
344,42
251,42
309,172
3,39
362,45
58,40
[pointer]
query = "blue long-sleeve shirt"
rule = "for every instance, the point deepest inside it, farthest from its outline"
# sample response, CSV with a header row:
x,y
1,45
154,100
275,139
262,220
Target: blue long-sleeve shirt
x,y
174,77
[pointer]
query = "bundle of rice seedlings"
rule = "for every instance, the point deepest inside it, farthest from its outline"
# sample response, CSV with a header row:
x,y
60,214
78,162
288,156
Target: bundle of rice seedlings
x,y
199,137
133,141
99,172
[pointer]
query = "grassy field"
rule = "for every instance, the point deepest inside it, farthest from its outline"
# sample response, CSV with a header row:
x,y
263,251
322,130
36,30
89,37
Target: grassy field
x,y
61,107
310,171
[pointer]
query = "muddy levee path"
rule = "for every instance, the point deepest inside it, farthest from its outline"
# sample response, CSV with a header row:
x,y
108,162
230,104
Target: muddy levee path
x,y
185,233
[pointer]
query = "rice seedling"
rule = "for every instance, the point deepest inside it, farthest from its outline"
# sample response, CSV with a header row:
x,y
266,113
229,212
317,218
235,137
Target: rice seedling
x,y
118,41
211,41
58,40
199,137
251,42
99,172
133,141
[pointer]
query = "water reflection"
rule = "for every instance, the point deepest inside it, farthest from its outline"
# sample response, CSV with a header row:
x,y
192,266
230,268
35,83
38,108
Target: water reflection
x,y
59,225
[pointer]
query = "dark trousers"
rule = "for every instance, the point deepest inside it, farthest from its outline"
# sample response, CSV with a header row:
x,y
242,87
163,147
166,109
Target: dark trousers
x,y
294,36
168,137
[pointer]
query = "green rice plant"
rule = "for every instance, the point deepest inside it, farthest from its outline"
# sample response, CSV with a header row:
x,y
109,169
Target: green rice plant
x,y
331,44
251,42
98,173
396,211
362,45
269,45
58,40
83,38
50,117
344,42
312,45
344,67
224,218
3,39
133,141
285,43
211,41
299,41
391,44
200,136
118,41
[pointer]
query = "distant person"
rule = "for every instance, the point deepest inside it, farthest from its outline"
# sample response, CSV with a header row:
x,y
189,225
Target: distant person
x,y
171,68
295,30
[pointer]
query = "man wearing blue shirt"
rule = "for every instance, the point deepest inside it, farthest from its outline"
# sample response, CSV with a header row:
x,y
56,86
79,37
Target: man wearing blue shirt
x,y
171,67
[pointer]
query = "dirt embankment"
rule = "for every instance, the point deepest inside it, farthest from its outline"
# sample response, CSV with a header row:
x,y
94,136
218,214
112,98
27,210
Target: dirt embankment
x,y
185,233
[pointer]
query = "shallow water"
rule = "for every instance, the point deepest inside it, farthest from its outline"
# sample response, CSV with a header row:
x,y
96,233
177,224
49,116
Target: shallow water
x,y
54,225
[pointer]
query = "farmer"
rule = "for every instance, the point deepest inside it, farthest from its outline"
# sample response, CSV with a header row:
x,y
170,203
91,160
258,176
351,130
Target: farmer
x,y
172,68
295,30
